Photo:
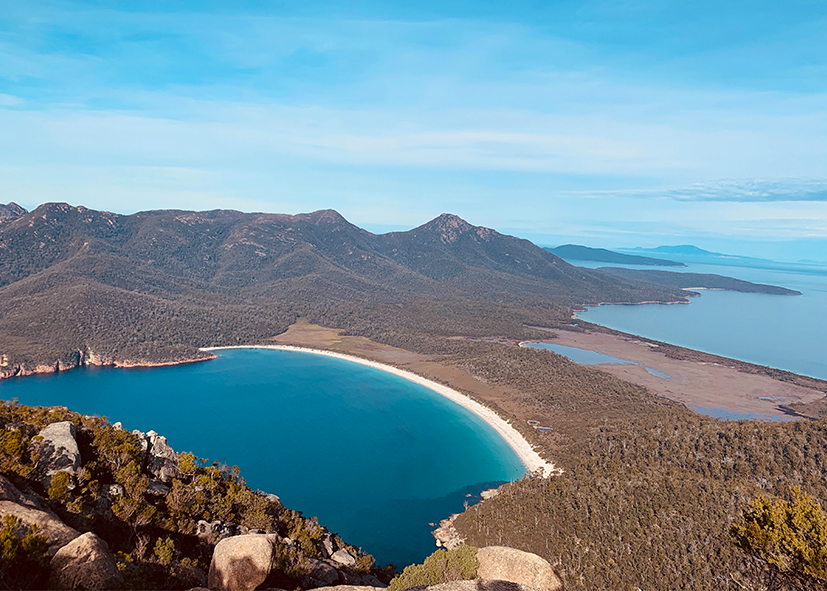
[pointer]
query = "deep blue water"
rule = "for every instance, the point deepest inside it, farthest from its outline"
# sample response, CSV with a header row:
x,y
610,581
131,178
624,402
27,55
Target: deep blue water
x,y
786,332
583,356
377,458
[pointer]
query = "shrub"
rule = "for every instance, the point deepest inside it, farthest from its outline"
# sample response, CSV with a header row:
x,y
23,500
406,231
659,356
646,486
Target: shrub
x,y
440,567
788,538
24,560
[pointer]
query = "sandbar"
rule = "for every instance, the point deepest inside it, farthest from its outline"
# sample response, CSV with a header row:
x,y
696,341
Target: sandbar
x,y
532,460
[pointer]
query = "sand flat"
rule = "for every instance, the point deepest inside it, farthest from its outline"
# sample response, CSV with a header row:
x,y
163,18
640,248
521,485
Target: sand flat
x,y
692,383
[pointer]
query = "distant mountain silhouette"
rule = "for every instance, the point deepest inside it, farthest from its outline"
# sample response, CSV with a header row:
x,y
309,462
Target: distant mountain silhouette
x,y
575,252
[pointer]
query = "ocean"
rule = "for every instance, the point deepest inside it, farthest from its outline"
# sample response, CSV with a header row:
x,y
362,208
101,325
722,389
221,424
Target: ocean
x,y
785,332
376,458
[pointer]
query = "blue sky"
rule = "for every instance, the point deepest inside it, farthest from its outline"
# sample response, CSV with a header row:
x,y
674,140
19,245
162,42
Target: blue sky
x,y
606,123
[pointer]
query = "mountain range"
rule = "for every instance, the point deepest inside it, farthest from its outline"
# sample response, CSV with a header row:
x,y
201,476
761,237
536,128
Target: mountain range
x,y
80,285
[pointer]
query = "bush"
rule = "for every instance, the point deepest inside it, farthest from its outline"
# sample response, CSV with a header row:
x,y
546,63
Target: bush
x,y
788,537
24,560
440,567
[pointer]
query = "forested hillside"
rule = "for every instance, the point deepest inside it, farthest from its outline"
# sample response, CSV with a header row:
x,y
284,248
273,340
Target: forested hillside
x,y
83,286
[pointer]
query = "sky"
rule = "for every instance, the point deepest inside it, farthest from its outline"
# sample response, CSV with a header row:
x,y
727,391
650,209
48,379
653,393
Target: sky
x,y
611,124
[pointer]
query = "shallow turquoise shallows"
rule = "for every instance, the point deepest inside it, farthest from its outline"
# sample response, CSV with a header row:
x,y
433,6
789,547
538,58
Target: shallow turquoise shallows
x,y
377,458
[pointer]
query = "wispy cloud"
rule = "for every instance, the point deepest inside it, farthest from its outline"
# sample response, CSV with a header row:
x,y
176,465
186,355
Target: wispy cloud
x,y
753,191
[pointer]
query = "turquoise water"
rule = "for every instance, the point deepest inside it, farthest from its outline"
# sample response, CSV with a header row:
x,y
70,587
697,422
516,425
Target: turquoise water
x,y
583,356
377,458
786,332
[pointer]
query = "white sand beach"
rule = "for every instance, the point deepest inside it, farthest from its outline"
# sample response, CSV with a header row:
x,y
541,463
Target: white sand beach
x,y
528,456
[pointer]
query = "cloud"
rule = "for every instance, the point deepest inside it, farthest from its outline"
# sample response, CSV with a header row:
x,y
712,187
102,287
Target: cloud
x,y
753,191
8,100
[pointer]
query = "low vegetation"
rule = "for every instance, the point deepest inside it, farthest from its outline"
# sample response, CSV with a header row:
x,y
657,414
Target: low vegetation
x,y
443,566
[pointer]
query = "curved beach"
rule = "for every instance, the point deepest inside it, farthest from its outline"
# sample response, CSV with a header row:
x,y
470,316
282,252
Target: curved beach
x,y
528,456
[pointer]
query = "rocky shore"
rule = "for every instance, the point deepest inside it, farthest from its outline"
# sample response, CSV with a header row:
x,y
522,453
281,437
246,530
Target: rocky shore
x,y
80,358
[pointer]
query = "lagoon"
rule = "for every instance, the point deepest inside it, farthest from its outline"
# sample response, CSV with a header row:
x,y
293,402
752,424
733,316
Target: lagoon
x,y
376,457
785,332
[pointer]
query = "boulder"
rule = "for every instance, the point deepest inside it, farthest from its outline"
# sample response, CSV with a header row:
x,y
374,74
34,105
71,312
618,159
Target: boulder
x,y
328,545
30,511
498,563
9,492
58,451
241,563
343,557
160,459
85,563
322,573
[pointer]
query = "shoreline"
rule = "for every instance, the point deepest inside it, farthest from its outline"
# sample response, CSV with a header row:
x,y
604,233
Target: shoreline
x,y
532,460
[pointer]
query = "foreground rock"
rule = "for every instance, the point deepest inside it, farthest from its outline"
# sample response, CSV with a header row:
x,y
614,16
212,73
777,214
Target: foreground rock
x,y
85,563
242,563
498,563
160,459
28,509
58,451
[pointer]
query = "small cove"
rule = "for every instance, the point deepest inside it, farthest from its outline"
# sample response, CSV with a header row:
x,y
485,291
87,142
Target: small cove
x,y
376,457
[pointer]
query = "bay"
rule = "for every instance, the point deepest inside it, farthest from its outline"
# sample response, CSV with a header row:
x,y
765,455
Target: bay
x,y
785,332
375,457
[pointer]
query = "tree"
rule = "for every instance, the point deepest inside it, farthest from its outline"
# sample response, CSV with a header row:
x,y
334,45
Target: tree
x,y
788,539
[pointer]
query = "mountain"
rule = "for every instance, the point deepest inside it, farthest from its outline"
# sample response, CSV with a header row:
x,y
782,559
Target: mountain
x,y
680,249
10,211
575,252
84,286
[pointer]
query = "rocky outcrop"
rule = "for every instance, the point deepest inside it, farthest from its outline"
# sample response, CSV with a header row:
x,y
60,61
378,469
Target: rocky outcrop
x,y
85,563
242,563
446,534
498,563
28,509
322,574
58,451
160,459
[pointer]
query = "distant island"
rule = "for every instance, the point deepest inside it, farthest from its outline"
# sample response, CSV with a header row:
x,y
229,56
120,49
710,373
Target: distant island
x,y
575,252
697,280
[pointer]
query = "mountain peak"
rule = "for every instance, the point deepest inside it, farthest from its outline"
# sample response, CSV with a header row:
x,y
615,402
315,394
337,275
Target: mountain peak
x,y
449,227
11,211
323,217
